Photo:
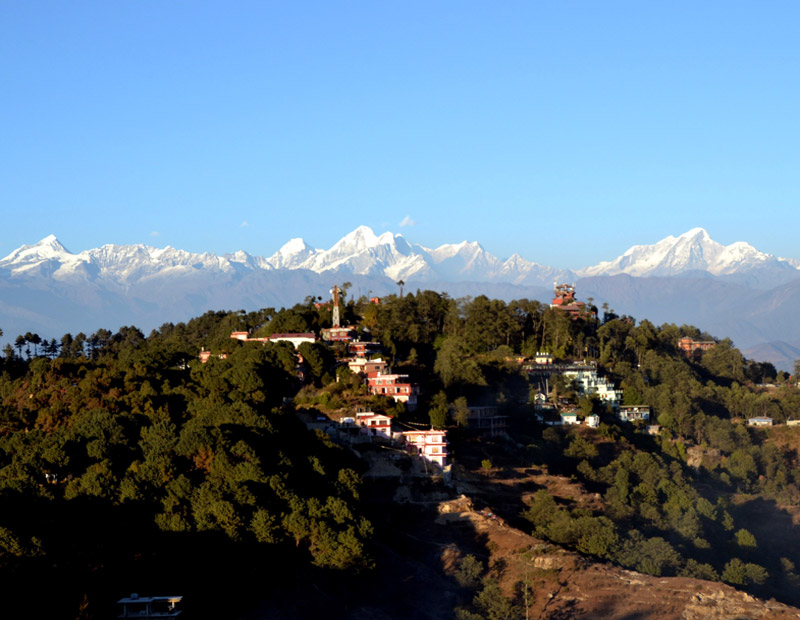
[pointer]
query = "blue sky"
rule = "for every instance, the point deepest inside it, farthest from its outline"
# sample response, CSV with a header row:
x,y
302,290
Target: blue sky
x,y
564,131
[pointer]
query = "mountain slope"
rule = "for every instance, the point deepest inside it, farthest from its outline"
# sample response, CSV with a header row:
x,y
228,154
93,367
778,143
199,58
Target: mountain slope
x,y
696,251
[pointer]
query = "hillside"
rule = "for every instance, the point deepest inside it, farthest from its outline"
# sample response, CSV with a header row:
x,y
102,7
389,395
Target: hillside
x,y
425,539
125,459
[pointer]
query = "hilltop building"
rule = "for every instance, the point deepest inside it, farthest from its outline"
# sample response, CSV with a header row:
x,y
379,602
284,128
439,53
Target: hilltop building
x,y
565,301
692,348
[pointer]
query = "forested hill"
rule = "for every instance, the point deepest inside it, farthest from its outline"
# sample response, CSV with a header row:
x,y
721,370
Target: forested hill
x,y
128,465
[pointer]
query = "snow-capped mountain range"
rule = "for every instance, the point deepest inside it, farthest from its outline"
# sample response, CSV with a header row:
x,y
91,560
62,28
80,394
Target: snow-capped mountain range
x,y
732,290
364,253
692,251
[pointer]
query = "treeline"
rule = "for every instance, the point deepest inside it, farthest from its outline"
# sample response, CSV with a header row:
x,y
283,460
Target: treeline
x,y
136,425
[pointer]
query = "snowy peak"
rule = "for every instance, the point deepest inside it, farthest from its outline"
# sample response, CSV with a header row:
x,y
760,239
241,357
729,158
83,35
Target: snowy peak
x,y
293,253
449,250
692,251
48,248
47,258
294,246
363,252
360,239
695,233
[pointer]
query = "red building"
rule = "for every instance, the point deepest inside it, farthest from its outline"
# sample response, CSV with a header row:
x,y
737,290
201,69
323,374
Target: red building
x,y
338,334
398,387
363,349
694,348
565,301
206,355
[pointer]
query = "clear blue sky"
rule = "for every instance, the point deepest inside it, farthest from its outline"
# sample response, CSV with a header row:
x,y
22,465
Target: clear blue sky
x,y
565,131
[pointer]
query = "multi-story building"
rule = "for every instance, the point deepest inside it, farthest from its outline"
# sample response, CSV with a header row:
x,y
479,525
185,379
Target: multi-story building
x,y
363,366
565,301
692,348
398,387
374,424
589,383
487,419
430,445
363,349
631,413
338,334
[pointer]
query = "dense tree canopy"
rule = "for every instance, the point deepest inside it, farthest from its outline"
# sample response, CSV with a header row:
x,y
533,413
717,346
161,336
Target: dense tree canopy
x,y
135,428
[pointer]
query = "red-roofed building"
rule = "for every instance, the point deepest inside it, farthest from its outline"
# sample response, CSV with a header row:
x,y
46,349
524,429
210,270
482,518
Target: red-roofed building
x,y
338,334
398,387
374,424
206,355
363,349
690,347
565,301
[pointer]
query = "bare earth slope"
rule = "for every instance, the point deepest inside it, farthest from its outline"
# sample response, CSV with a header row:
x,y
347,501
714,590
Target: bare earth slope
x,y
565,585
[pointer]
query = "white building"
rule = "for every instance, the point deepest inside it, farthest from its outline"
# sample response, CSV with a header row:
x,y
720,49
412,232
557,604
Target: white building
x,y
589,383
631,413
592,421
295,339
570,418
430,445
374,424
